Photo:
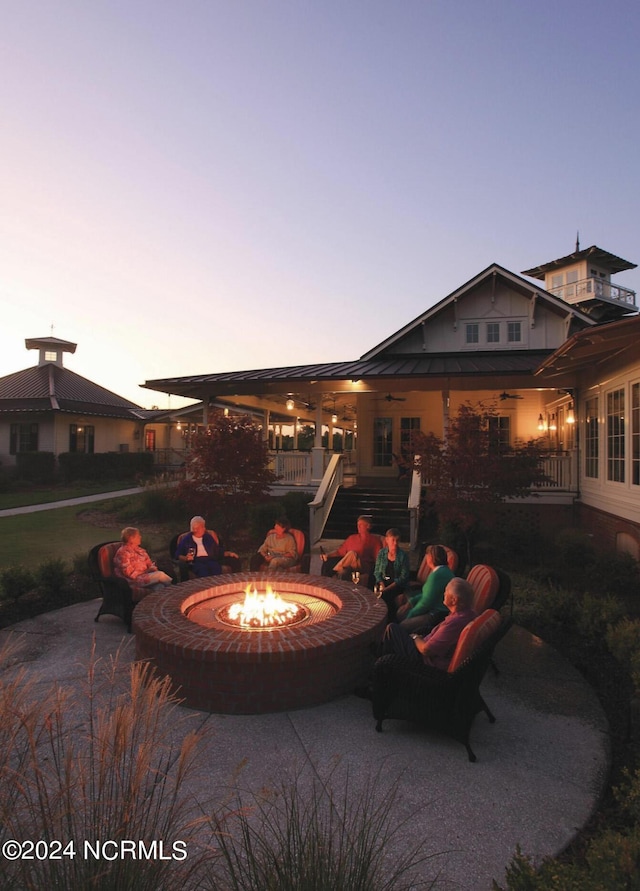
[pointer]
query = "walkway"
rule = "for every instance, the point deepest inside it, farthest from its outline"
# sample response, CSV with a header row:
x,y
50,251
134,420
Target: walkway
x,y
540,771
69,502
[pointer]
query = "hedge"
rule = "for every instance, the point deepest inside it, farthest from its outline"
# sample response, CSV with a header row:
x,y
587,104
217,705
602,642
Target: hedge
x,y
104,465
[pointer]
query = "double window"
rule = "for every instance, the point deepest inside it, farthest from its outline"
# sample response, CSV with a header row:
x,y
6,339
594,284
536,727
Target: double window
x,y
23,438
81,438
591,439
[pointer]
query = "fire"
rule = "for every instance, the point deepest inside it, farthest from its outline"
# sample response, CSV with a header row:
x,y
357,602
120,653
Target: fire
x,y
264,610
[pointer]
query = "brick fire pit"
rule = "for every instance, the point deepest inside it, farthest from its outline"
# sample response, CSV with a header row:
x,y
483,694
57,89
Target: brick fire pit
x,y
235,671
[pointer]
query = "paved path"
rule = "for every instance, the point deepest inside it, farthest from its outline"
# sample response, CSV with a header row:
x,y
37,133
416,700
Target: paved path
x,y
69,502
540,771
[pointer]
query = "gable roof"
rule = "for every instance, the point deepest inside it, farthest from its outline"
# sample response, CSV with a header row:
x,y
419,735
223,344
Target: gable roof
x,y
53,388
527,289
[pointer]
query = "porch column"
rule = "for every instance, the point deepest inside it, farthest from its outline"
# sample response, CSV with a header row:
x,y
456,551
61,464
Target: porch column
x,y
317,453
265,428
445,414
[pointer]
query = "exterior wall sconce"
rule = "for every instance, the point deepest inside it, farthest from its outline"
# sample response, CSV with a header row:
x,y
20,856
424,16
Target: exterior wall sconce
x,y
178,426
226,412
290,404
334,419
552,423
541,424
571,418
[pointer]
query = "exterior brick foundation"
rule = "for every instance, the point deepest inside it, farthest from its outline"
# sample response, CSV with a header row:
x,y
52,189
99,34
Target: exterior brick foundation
x,y
231,671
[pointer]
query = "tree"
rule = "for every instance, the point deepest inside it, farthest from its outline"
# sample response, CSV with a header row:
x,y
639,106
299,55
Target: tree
x,y
227,470
473,467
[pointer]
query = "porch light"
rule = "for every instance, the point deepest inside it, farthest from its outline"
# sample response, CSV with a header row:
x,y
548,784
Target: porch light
x,y
290,404
334,419
226,412
571,418
541,424
552,423
178,426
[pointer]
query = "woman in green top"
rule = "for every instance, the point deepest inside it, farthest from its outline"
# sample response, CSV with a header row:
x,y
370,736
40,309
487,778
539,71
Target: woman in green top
x,y
426,609
391,570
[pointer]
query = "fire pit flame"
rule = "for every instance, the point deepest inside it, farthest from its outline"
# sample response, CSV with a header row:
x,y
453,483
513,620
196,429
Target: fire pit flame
x,y
267,610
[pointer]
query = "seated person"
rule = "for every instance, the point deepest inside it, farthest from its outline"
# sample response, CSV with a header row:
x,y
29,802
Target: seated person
x,y
201,549
437,648
424,610
359,551
391,571
279,550
131,562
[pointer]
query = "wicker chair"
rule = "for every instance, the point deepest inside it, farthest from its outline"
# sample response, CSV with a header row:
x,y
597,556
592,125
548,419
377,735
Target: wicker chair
x,y
447,701
118,596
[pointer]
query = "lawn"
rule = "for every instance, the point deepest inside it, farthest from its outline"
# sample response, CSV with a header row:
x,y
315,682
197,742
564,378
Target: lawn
x,y
30,539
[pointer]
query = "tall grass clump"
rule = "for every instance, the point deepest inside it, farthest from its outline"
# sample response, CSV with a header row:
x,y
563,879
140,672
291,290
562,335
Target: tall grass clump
x,y
316,839
100,769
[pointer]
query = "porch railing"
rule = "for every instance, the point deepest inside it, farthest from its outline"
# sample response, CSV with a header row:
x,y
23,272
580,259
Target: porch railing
x,y
291,468
586,288
561,469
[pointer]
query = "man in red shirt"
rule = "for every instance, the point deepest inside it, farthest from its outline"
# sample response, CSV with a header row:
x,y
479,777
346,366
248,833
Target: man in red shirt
x,y
357,552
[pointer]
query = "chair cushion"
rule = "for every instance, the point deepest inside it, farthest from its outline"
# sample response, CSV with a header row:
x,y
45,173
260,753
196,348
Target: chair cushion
x,y
105,558
485,583
473,636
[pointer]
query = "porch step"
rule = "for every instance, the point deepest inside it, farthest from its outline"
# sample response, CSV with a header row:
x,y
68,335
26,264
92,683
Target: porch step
x,y
386,507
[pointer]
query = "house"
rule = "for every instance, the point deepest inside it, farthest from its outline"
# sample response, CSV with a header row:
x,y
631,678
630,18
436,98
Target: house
x,y
494,340
49,408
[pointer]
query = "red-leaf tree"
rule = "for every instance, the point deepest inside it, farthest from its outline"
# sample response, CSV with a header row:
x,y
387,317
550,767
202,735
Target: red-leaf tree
x,y
473,467
227,470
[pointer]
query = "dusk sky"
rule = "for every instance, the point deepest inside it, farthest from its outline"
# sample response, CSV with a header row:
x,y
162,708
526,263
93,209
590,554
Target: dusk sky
x,y
190,187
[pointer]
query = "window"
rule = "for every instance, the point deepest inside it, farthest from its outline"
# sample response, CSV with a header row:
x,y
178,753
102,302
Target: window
x,y
635,434
615,436
473,332
407,427
493,332
50,356
500,432
23,438
571,279
556,284
514,332
382,442
81,438
591,444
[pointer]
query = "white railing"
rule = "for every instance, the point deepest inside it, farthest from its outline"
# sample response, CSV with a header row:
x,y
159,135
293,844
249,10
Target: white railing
x,y
562,472
320,507
595,287
291,468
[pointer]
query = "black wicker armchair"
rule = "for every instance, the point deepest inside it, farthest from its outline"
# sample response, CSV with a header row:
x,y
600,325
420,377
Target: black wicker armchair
x,y
447,701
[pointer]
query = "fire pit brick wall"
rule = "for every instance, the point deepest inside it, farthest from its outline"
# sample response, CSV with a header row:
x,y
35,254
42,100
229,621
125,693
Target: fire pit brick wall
x,y
231,671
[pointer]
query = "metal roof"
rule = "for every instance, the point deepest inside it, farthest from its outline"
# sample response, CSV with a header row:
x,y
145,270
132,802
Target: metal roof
x,y
51,387
603,258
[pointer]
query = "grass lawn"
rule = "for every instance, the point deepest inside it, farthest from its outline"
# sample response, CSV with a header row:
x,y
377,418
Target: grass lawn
x,y
47,494
30,539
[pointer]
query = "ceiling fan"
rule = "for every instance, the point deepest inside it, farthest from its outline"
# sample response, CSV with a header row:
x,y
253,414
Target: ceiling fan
x,y
390,398
504,395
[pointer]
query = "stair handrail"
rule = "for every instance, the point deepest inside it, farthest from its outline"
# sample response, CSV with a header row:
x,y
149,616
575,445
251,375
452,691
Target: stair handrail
x,y
320,507
413,504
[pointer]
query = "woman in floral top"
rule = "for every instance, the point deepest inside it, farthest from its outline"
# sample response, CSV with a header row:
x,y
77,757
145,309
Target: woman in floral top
x,y
132,563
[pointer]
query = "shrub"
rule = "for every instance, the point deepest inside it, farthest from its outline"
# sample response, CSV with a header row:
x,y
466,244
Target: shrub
x,y
36,467
161,505
574,549
16,581
52,576
623,640
105,465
